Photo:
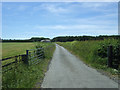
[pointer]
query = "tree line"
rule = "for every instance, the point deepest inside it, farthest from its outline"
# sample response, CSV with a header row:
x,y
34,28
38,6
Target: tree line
x,y
64,38
33,39
83,38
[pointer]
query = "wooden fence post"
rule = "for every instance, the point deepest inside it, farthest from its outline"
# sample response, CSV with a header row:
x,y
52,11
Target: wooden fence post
x,y
110,56
25,57
34,53
27,53
116,66
16,61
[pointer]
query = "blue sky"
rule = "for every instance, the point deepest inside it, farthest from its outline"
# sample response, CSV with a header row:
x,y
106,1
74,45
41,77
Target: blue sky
x,y
23,20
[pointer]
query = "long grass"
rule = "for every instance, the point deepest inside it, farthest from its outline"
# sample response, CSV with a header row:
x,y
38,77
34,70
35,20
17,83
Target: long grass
x,y
87,51
26,76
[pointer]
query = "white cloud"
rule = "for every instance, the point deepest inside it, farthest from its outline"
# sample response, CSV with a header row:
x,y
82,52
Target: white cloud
x,y
17,7
71,8
94,5
54,8
51,7
22,7
100,7
76,27
73,30
51,27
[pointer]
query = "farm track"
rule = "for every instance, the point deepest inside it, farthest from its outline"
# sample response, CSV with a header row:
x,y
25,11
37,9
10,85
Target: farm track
x,y
67,71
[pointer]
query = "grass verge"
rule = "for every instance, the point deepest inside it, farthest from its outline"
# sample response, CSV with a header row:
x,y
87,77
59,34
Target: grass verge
x,y
87,51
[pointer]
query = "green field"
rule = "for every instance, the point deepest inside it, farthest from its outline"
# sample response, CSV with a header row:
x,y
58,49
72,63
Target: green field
x,y
25,76
13,49
88,52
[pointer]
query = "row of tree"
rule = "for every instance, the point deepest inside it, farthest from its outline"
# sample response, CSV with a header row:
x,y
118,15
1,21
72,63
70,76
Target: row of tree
x,y
33,39
64,38
83,38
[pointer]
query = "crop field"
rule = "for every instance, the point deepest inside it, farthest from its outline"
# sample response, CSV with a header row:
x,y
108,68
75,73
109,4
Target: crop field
x,y
93,53
25,76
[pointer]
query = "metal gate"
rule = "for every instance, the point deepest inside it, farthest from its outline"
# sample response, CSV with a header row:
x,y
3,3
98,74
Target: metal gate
x,y
35,55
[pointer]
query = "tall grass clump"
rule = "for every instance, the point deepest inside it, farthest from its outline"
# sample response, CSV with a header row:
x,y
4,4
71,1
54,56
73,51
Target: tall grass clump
x,y
26,76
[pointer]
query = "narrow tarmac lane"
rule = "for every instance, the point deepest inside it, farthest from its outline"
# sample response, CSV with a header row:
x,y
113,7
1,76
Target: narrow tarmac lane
x,y
67,71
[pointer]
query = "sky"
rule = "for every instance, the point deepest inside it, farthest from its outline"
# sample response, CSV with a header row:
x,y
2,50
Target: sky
x,y
23,20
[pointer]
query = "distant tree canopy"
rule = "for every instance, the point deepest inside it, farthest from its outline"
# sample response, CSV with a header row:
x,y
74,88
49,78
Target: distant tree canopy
x,y
33,39
82,38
